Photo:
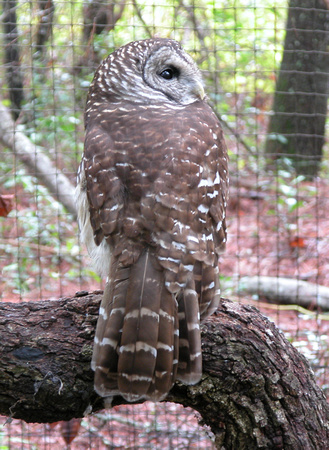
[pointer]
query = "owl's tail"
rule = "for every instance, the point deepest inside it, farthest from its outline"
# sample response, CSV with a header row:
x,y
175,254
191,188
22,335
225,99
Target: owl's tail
x,y
199,299
136,344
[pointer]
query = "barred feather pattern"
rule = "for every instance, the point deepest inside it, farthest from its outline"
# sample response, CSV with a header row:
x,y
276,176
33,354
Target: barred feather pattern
x,y
151,199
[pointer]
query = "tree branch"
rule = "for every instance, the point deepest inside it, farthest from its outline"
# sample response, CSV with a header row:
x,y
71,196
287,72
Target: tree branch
x,y
283,290
36,161
257,390
140,16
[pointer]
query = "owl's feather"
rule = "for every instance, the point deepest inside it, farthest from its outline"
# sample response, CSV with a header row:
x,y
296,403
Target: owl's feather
x,y
151,195
134,347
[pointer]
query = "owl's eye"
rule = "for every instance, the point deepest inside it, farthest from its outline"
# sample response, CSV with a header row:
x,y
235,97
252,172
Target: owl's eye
x,y
169,73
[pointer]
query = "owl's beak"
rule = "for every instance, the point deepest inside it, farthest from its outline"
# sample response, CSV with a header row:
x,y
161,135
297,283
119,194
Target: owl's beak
x,y
199,90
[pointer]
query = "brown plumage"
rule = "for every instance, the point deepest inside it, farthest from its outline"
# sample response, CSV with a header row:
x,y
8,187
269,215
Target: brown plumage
x,y
151,197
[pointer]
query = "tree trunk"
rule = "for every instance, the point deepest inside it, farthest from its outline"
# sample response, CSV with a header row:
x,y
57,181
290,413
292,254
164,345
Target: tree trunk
x,y
297,126
98,17
257,391
45,25
13,69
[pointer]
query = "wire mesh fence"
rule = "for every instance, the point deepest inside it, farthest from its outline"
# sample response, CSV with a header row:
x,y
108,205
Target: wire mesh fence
x,y
150,426
277,250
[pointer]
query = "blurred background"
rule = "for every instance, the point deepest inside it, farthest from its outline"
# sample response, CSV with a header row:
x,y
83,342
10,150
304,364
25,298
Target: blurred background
x,y
265,66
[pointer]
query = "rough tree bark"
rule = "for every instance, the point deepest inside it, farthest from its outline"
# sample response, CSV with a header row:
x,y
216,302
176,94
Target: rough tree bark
x,y
257,390
297,127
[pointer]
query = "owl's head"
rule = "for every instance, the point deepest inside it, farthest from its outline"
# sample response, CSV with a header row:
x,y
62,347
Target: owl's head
x,y
150,71
170,70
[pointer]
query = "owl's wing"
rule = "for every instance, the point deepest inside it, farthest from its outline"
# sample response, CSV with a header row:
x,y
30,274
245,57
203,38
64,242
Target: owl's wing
x,y
136,349
219,192
104,187
187,210
169,177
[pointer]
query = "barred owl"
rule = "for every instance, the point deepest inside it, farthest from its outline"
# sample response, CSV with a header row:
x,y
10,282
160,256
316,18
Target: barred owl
x,y
151,199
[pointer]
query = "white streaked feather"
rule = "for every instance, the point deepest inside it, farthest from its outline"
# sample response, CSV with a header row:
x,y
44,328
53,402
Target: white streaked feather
x,y
99,254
